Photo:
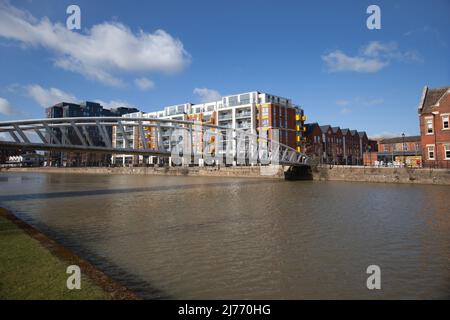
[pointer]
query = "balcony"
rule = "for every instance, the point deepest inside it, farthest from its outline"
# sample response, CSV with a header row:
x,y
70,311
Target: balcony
x,y
243,125
225,116
245,114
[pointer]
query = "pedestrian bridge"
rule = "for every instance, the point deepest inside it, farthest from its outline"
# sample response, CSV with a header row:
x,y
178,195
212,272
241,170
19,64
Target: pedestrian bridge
x,y
94,134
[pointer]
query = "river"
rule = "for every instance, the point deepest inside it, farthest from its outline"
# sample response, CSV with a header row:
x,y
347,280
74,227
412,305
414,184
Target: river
x,y
233,238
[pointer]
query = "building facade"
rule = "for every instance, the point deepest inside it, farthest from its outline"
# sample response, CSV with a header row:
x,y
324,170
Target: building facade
x,y
434,114
333,145
397,151
85,109
250,111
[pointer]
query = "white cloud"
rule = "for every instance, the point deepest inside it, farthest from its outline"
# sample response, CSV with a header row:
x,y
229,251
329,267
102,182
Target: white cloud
x,y
376,48
372,58
5,107
389,51
48,97
346,110
99,53
207,95
372,102
348,105
338,61
342,103
144,83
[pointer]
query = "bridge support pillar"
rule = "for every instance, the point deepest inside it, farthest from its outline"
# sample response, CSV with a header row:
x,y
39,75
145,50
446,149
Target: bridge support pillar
x,y
303,172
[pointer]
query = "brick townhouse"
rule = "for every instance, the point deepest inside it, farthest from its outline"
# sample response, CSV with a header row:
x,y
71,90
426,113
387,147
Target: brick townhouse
x,y
335,145
434,113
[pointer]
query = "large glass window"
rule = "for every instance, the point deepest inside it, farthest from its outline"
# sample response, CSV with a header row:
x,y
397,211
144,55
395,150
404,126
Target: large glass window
x,y
265,111
244,98
233,101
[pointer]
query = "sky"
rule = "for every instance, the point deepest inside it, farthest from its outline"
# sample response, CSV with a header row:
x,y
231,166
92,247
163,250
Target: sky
x,y
151,54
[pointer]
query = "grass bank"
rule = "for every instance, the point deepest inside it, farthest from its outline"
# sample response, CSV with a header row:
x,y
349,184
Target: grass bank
x,y
33,266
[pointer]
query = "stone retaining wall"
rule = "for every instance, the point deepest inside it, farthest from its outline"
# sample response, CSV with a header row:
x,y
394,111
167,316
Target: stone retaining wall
x,y
385,175
272,172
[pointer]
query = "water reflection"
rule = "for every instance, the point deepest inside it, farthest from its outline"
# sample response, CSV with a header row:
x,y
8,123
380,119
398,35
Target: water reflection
x,y
185,237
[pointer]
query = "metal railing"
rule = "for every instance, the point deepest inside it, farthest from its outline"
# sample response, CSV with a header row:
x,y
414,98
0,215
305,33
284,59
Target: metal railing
x,y
93,134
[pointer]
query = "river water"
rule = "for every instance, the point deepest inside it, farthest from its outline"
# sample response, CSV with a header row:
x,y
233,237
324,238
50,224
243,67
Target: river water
x,y
204,237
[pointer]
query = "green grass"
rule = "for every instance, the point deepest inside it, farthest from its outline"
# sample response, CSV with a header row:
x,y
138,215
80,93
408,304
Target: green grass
x,y
30,271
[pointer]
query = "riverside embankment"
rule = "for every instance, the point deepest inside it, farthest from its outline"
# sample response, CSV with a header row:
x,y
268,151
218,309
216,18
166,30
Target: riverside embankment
x,y
321,173
383,175
34,267
274,172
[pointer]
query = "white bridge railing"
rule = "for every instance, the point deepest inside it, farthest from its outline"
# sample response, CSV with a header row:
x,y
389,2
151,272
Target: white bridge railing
x,y
94,134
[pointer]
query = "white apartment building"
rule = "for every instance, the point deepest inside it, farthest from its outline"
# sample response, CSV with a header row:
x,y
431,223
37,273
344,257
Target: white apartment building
x,y
246,111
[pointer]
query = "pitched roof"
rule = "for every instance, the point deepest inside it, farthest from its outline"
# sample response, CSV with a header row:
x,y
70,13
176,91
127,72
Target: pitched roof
x,y
362,133
310,127
430,97
335,129
353,132
345,131
400,139
325,128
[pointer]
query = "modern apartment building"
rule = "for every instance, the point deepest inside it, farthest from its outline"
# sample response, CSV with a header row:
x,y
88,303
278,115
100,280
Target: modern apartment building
x,y
252,111
84,109
434,118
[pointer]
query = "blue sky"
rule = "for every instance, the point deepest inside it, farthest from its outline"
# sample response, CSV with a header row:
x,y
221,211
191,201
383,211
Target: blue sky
x,y
319,53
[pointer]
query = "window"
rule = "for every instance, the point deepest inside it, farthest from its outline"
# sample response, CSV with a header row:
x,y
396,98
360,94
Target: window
x,y
244,98
417,146
430,152
445,122
405,147
265,111
447,151
265,123
429,124
233,101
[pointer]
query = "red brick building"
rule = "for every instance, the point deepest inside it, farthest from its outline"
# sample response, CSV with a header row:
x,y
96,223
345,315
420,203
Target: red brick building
x,y
404,150
314,144
434,113
334,145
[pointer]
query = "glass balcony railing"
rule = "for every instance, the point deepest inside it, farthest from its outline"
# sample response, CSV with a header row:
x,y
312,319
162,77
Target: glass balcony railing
x,y
227,116
243,125
243,115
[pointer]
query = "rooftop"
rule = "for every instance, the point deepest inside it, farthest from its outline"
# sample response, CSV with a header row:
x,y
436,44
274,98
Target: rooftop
x,y
400,140
431,97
